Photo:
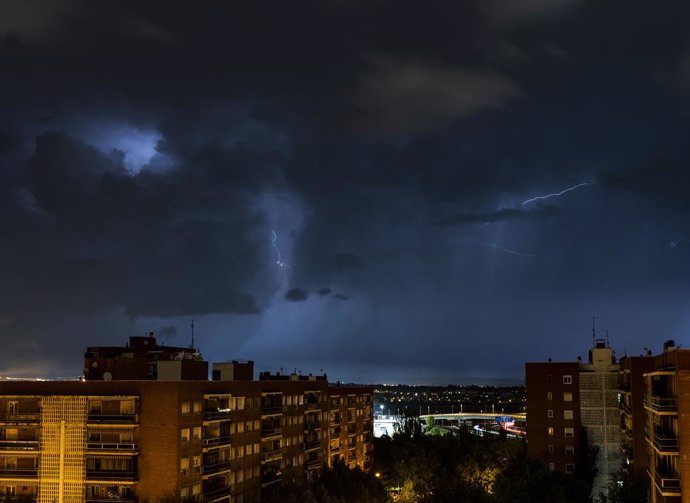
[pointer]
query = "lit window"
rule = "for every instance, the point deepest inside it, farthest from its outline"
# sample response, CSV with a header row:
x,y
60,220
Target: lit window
x,y
549,396
549,413
196,433
567,379
184,466
550,431
552,466
184,435
569,432
567,396
185,408
568,414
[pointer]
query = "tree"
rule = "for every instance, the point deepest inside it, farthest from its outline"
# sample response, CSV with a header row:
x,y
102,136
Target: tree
x,y
625,487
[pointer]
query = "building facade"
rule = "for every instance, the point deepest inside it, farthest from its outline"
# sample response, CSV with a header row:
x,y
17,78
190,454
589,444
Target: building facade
x,y
232,439
567,399
667,425
633,415
553,413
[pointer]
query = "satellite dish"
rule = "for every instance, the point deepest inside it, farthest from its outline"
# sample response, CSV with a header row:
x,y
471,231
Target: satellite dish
x,y
107,376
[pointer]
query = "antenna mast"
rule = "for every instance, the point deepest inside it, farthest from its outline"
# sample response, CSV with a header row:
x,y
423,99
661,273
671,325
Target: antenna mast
x,y
192,327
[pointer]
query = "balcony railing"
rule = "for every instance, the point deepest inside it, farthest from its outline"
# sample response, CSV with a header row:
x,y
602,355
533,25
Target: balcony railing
x,y
663,441
271,409
214,493
312,444
216,440
121,499
112,446
18,472
111,475
271,432
217,415
313,464
20,417
667,483
112,418
271,455
661,404
270,478
28,445
215,467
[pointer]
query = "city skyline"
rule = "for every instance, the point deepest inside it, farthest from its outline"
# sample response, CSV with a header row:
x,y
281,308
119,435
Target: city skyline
x,y
394,192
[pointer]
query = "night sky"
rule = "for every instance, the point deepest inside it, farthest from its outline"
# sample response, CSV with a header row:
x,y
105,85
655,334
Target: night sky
x,y
344,184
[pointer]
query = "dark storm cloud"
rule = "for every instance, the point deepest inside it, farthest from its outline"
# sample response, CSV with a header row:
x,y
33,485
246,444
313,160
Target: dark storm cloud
x,y
346,127
398,96
325,291
167,332
664,181
503,214
156,244
296,295
344,261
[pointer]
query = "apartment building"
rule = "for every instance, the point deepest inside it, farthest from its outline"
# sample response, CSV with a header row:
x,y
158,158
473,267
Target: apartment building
x,y
230,439
632,412
565,397
666,402
553,411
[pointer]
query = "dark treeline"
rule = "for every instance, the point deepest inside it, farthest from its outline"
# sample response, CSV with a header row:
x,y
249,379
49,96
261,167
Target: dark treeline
x,y
413,467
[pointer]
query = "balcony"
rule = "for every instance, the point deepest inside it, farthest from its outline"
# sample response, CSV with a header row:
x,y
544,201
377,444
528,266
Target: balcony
x,y
100,446
216,493
313,464
668,485
113,418
213,441
214,468
273,455
129,476
312,444
19,445
120,499
217,415
664,442
20,417
18,473
271,432
661,404
268,479
271,410
312,426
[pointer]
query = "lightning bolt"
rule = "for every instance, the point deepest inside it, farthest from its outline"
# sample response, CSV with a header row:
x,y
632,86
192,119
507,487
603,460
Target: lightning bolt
x,y
501,248
555,194
279,260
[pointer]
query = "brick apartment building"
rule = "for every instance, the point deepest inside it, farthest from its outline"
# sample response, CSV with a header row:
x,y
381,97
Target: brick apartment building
x,y
565,397
633,414
146,433
553,411
666,399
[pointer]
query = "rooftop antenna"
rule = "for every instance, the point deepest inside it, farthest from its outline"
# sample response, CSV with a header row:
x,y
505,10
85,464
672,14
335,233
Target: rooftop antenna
x,y
192,327
607,338
594,331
